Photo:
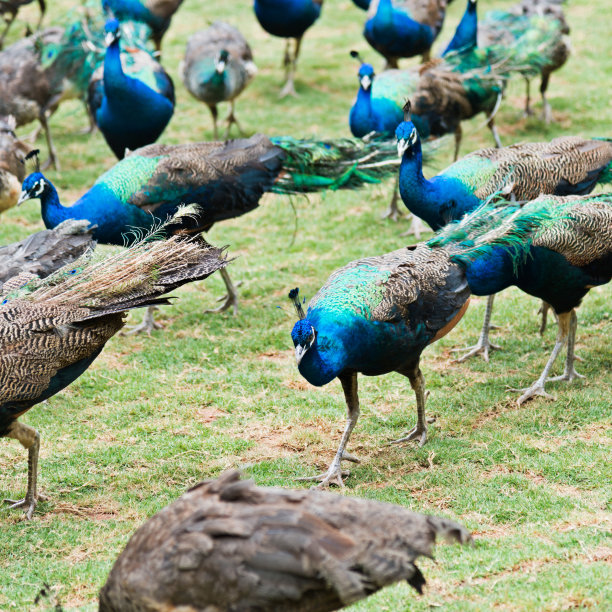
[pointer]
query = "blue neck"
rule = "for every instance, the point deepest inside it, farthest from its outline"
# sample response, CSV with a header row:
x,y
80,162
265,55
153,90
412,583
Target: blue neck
x,y
321,365
114,77
491,272
466,34
437,201
360,118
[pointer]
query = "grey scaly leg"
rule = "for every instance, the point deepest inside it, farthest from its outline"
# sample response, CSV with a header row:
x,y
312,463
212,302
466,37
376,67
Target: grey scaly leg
x,y
231,118
334,474
393,212
231,299
29,439
484,345
547,110
570,373
289,88
148,323
458,136
538,386
527,112
215,114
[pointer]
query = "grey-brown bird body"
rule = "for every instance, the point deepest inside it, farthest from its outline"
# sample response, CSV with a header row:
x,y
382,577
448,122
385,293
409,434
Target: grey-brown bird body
x,y
228,545
218,65
46,251
12,169
51,330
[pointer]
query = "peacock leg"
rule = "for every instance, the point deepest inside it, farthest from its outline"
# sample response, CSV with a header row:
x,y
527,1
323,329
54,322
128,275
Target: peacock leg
x,y
6,29
544,308
289,88
491,125
393,212
231,299
231,118
92,122
527,112
42,117
334,474
426,56
215,114
538,386
417,382
43,8
148,323
458,136
570,373
547,110
484,345
29,439
417,227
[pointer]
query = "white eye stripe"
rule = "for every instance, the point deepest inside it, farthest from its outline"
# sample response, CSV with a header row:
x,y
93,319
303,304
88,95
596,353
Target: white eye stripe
x,y
40,186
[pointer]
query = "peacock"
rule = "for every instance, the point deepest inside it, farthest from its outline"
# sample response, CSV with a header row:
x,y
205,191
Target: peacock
x,y
566,165
133,105
51,330
288,19
562,247
12,169
225,179
229,545
403,28
218,65
156,14
46,251
535,28
9,10
465,36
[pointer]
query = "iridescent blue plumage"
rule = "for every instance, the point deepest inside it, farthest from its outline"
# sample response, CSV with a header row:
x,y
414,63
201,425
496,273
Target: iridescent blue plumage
x,y
465,37
131,111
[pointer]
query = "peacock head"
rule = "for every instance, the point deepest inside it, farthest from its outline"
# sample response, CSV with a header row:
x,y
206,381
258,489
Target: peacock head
x,y
221,61
33,186
113,32
406,132
366,72
303,335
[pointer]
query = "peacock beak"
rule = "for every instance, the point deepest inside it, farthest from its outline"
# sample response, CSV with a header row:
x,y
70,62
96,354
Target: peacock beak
x,y
402,145
110,38
366,82
23,197
300,351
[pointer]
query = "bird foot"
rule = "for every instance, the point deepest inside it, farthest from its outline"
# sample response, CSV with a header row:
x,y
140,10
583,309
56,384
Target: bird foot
x,y
147,326
288,90
416,229
228,301
528,112
567,376
480,348
413,434
537,389
392,213
29,502
334,476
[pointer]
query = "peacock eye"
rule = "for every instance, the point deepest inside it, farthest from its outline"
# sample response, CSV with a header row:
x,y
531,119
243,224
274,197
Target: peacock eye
x,y
72,272
4,302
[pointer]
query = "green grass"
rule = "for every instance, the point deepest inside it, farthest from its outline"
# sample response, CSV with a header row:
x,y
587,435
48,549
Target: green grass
x,y
154,415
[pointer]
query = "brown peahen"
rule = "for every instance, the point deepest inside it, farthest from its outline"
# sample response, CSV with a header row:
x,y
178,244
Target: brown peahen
x,y
12,169
229,545
218,65
9,10
51,330
46,251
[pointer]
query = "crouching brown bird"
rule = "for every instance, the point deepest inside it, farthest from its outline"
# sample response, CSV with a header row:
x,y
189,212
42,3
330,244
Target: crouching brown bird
x,y
229,545
51,330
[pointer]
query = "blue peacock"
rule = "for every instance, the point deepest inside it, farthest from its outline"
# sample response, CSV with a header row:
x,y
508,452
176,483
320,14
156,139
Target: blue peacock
x,y
226,180
377,315
564,166
133,105
465,36
403,28
288,19
218,65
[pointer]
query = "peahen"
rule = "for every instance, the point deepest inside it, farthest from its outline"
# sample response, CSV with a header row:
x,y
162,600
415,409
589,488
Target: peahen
x,y
566,165
225,179
12,169
218,65
403,28
133,105
9,10
156,14
562,248
51,330
46,251
536,28
288,19
229,545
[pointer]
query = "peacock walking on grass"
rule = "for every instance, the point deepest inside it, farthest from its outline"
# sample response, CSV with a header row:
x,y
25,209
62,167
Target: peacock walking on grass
x,y
288,19
133,105
9,10
12,169
565,166
51,330
567,251
256,548
403,28
46,251
218,65
226,180
156,14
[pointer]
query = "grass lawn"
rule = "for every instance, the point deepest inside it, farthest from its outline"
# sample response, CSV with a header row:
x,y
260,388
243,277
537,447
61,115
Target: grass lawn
x,y
154,415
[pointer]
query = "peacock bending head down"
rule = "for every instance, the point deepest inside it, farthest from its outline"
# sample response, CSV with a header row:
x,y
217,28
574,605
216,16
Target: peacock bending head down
x,y
303,335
